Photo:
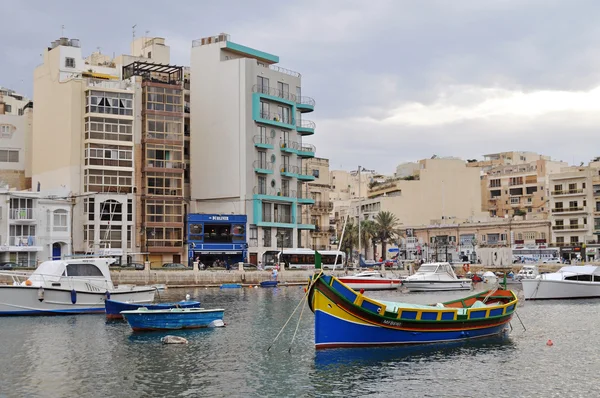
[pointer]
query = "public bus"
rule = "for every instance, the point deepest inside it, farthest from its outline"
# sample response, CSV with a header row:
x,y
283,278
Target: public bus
x,y
305,258
534,255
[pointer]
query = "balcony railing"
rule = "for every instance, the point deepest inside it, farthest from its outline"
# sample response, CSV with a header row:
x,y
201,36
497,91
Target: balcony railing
x,y
322,205
21,240
22,214
275,92
306,124
109,162
567,192
290,169
261,139
287,144
164,243
260,190
166,164
567,227
566,209
284,70
263,164
305,100
307,148
275,116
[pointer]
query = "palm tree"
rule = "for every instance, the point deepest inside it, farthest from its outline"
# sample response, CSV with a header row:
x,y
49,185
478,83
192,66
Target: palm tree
x,y
350,239
386,228
367,233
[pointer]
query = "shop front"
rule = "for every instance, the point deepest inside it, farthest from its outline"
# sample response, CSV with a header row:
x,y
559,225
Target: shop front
x,y
216,240
571,254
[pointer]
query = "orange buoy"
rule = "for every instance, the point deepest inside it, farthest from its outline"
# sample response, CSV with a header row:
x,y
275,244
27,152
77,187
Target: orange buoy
x,y
28,282
250,286
549,343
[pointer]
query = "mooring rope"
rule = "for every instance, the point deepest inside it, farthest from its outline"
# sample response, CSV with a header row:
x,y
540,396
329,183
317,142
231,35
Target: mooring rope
x,y
297,325
295,309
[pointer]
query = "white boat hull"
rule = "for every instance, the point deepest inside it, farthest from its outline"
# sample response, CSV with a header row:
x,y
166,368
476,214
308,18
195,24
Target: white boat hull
x,y
371,285
30,300
545,289
437,286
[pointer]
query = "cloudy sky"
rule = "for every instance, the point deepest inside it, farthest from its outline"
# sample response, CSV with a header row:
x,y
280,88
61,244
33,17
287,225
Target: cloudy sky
x,y
394,81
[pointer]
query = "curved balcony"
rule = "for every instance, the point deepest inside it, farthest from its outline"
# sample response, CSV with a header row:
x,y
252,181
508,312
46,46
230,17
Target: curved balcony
x,y
305,174
289,171
258,190
261,141
305,127
306,151
275,119
305,104
289,146
263,167
274,92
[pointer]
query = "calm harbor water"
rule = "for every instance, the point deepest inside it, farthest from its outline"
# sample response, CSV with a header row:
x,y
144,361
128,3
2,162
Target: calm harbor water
x,y
86,356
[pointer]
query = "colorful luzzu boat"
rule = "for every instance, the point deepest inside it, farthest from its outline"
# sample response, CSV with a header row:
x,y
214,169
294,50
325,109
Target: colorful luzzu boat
x,y
346,318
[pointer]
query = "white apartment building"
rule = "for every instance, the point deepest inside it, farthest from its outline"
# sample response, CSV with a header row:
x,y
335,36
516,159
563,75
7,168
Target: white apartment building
x,y
16,118
34,226
319,211
572,208
248,142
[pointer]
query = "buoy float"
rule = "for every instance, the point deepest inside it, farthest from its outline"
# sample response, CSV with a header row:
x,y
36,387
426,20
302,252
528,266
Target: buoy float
x,y
549,343
362,291
73,296
304,290
250,286
41,294
28,282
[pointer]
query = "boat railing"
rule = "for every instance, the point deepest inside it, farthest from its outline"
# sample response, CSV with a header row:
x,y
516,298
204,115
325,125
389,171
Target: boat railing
x,y
19,277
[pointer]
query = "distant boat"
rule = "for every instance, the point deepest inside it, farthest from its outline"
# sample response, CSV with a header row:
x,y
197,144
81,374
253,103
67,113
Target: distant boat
x,y
113,308
368,263
73,286
575,281
143,319
371,280
436,277
346,318
230,285
269,284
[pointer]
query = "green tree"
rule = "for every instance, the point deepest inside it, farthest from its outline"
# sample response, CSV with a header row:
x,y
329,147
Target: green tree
x,y
386,225
367,233
350,239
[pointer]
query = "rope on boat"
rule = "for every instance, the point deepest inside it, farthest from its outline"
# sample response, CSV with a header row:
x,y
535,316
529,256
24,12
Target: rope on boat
x,y
293,312
297,325
522,324
489,294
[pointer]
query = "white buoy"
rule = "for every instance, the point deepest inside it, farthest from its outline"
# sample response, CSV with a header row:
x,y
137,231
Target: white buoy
x,y
187,297
217,323
174,340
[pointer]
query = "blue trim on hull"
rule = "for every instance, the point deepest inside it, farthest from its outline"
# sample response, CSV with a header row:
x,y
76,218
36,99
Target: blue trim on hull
x,y
94,310
332,332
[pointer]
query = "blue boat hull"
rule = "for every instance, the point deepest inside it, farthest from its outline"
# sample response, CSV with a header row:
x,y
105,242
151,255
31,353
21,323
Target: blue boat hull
x,y
166,320
331,331
269,284
113,308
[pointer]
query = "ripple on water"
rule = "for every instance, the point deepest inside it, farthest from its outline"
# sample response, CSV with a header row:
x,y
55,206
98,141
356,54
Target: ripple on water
x,y
79,356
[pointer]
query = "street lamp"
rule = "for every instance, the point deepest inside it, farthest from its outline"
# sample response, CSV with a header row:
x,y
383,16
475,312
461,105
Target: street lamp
x,y
360,168
281,235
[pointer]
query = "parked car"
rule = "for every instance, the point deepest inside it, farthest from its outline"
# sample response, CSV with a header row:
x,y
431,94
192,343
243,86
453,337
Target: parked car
x,y
247,266
8,266
173,265
551,261
136,266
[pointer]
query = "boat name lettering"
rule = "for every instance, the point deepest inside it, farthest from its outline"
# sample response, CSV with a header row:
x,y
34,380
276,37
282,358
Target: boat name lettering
x,y
392,323
219,218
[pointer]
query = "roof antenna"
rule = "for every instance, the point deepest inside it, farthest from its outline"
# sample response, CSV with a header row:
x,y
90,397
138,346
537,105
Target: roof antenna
x,y
62,30
133,33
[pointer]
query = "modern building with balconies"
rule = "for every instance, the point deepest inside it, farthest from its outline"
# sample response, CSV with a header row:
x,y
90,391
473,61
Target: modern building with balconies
x,y
248,142
572,211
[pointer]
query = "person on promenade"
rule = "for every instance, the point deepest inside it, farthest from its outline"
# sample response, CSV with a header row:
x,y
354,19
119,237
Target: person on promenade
x,y
274,273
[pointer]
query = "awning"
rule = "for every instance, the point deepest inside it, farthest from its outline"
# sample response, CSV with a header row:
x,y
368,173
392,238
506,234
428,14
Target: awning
x,y
218,252
99,76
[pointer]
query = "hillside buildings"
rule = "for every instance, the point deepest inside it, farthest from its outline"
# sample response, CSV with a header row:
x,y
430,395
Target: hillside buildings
x,y
16,121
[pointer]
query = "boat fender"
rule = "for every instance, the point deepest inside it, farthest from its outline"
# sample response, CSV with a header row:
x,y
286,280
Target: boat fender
x,y
107,294
73,296
41,294
28,282
362,291
466,267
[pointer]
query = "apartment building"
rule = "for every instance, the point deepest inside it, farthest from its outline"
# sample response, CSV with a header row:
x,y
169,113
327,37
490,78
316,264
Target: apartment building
x,y
248,143
120,125
16,121
34,226
319,211
573,204
519,189
510,158
443,189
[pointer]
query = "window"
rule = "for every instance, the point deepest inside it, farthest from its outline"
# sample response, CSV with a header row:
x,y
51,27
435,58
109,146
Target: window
x,y
514,201
298,94
164,184
85,269
574,240
101,128
7,108
9,156
285,187
109,103
267,237
108,155
60,221
529,235
573,204
283,90
217,233
108,181
315,173
573,187
164,99
558,189
262,185
264,110
69,62
495,183
169,128
262,85
164,211
516,181
560,239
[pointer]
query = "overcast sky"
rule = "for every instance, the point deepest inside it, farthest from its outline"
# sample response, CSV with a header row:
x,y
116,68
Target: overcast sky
x,y
394,81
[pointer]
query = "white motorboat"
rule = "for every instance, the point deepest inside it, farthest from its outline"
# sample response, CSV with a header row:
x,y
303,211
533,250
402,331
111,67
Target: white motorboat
x,y
527,272
575,281
371,280
74,286
436,277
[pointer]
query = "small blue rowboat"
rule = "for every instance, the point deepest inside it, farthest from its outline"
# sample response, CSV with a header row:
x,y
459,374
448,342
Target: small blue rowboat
x,y
113,308
268,284
174,318
230,285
